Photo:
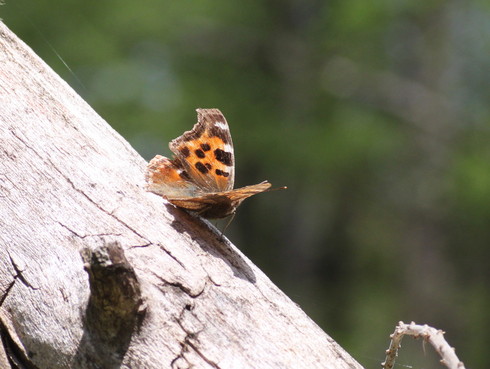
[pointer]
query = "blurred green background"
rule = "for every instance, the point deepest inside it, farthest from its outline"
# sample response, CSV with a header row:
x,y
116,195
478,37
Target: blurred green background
x,y
374,114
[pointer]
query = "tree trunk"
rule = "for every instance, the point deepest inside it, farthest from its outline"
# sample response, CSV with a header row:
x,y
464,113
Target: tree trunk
x,y
95,272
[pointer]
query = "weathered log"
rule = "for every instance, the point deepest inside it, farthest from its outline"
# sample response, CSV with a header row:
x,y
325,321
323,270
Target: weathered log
x,y
155,288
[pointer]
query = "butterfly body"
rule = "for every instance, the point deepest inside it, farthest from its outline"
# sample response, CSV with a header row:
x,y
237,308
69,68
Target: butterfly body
x,y
201,175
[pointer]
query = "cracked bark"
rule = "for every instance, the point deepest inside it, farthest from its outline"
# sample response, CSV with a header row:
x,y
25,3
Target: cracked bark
x,y
69,184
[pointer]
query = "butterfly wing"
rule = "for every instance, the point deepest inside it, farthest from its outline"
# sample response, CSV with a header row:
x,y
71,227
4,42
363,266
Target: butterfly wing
x,y
167,178
201,175
206,152
220,204
240,194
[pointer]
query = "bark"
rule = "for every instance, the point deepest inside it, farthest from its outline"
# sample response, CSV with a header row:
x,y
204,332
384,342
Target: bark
x,y
95,272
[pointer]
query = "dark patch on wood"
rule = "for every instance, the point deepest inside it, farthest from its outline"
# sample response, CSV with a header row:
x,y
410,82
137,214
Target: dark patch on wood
x,y
220,172
115,309
224,157
201,167
199,153
205,147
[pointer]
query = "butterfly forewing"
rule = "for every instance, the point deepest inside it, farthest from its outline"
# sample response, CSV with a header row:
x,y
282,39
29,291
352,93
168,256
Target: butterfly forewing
x,y
206,152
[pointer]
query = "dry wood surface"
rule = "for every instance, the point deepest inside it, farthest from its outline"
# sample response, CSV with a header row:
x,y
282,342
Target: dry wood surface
x,y
95,272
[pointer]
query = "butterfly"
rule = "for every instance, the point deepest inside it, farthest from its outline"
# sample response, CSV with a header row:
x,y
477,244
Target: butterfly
x,y
201,175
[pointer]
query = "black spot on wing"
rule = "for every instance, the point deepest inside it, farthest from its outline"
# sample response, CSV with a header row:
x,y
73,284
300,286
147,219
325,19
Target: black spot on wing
x,y
200,153
224,157
184,176
209,166
205,147
220,172
201,167
185,151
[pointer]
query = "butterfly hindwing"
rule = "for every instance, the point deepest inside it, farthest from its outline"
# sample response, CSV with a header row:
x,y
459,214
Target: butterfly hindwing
x,y
167,178
219,204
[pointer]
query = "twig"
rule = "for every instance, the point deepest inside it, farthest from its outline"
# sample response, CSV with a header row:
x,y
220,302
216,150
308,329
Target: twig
x,y
434,336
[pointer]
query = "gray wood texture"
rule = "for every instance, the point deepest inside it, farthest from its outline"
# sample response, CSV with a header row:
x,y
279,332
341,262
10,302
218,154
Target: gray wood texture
x,y
72,191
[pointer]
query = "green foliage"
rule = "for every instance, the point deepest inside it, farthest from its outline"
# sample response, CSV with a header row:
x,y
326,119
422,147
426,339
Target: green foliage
x,y
374,114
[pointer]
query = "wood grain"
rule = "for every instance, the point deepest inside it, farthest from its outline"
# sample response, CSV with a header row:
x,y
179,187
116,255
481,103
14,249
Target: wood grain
x,y
69,183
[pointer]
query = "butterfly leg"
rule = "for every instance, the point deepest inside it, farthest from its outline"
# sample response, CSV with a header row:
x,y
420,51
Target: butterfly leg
x,y
230,219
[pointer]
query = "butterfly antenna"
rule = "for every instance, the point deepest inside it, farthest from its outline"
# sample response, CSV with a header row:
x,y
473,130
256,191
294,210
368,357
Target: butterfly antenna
x,y
277,188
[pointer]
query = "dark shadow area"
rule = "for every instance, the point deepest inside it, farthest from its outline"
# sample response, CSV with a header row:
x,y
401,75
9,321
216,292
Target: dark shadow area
x,y
14,354
212,241
113,312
